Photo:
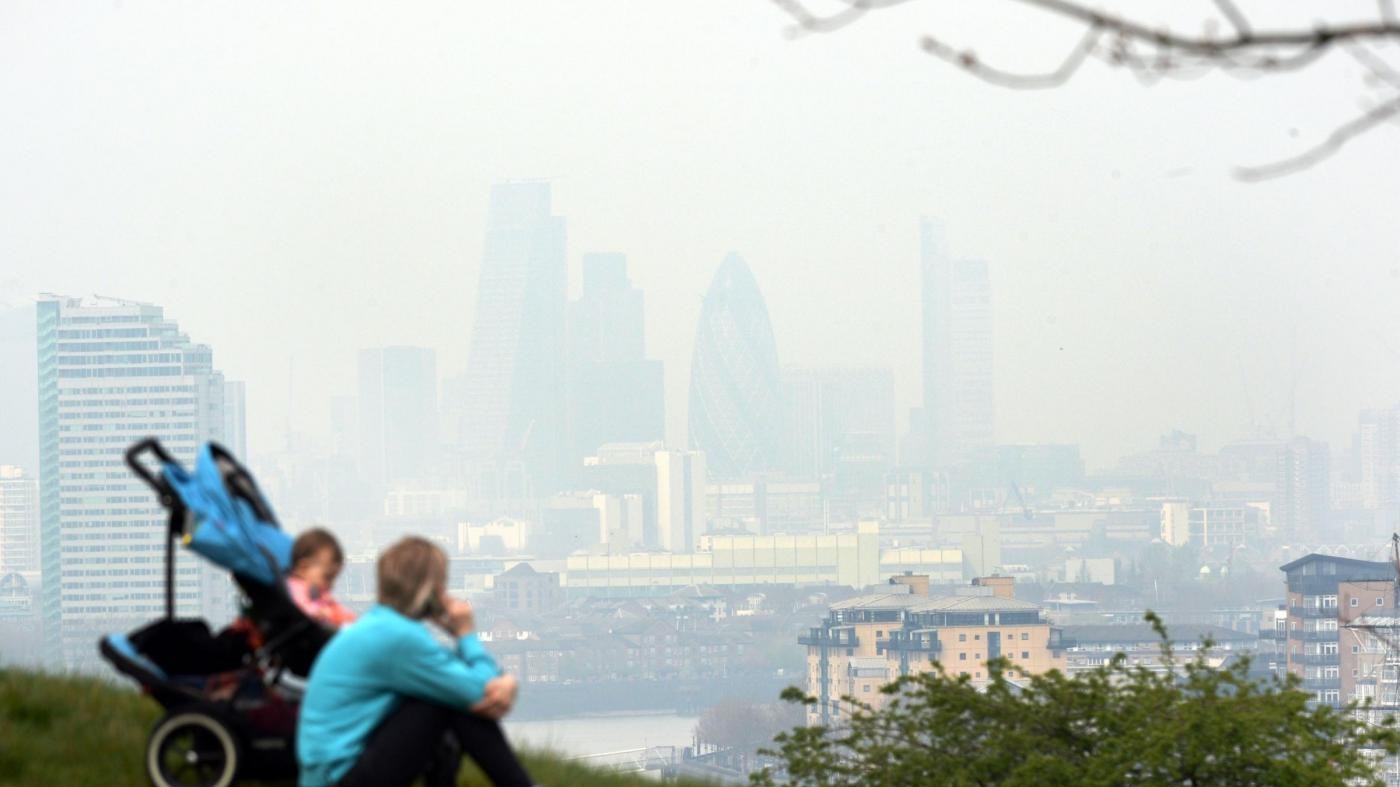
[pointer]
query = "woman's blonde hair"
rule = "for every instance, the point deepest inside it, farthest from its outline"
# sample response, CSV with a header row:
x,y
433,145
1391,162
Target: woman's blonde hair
x,y
410,573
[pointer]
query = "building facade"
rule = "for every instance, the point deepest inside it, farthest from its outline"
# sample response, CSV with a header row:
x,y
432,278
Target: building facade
x,y
870,641
849,559
680,499
1317,616
112,372
19,522
958,376
735,393
615,394
397,408
513,416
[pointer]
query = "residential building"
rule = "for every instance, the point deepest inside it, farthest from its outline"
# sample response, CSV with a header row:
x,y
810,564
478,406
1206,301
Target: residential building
x,y
1316,583
1089,647
958,376
735,395
522,589
869,641
499,537
1300,509
112,372
513,417
19,522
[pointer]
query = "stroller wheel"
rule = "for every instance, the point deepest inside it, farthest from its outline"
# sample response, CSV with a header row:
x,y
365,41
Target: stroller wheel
x,y
191,749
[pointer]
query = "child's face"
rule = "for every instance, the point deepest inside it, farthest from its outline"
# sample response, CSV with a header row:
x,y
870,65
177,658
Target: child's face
x,y
320,570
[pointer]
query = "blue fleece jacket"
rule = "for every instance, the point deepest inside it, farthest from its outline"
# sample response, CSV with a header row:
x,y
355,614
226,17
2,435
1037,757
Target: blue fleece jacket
x,y
362,673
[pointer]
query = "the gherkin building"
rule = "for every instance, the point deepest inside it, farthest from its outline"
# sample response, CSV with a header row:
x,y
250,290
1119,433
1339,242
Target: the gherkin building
x,y
734,387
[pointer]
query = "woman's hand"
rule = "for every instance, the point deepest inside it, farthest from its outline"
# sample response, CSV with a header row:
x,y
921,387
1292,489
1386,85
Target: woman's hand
x,y
499,698
457,616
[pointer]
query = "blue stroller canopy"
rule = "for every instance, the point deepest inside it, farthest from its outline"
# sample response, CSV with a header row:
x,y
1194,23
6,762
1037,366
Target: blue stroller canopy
x,y
225,526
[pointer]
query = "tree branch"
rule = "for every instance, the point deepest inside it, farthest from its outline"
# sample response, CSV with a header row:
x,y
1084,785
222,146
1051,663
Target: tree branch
x,y
969,62
1334,142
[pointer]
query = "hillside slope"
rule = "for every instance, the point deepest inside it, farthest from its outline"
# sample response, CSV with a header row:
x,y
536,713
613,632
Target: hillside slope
x,y
80,732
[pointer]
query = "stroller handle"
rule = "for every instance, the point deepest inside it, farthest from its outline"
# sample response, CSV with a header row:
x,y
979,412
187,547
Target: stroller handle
x,y
133,461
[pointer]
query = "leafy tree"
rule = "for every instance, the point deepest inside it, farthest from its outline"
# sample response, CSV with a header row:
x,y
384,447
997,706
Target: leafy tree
x,y
1190,724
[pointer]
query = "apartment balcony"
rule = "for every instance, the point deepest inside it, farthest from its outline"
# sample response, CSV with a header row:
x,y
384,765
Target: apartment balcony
x,y
1312,636
911,642
1315,659
829,638
1312,613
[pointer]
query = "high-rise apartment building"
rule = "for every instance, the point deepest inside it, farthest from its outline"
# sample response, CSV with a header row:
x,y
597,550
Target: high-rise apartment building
x,y
513,418
19,521
397,429
1301,506
112,372
615,395
957,351
735,392
680,499
1325,594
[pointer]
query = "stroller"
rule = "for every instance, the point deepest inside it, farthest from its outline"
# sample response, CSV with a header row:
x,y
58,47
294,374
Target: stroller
x,y
230,698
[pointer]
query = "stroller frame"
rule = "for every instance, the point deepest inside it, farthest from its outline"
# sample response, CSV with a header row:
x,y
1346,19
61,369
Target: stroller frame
x,y
245,729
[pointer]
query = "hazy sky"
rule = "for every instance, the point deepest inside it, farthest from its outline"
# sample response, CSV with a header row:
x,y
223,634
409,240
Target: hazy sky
x,y
297,181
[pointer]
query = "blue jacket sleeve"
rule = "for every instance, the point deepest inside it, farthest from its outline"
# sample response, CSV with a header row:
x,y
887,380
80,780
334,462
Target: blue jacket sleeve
x,y
426,670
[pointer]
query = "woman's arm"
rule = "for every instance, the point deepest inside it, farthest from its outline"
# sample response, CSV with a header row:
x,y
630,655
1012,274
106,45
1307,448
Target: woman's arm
x,y
424,669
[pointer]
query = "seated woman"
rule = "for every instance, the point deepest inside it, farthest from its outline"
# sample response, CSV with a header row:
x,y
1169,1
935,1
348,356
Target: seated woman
x,y
316,561
384,694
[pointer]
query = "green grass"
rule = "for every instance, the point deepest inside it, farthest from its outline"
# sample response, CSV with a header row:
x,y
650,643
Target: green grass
x,y
80,732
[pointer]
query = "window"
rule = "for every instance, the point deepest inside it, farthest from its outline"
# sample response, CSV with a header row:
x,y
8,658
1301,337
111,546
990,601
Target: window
x,y
865,688
1355,648
1025,636
977,636
962,657
1380,602
1025,654
1355,602
962,638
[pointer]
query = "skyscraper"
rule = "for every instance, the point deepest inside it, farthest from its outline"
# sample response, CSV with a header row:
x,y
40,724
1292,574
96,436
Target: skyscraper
x,y
957,351
1302,503
735,393
19,521
397,403
112,372
513,417
834,415
615,394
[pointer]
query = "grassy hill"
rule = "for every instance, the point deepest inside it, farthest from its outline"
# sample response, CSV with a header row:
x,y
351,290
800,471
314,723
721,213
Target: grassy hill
x,y
80,732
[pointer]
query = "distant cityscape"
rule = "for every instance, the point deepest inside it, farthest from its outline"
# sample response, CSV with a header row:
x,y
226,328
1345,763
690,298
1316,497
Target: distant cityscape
x,y
806,533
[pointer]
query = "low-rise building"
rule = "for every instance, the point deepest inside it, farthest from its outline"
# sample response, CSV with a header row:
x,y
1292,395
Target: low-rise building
x,y
869,641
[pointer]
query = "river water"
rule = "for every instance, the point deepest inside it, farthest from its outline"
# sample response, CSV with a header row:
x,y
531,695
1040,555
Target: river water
x,y
583,736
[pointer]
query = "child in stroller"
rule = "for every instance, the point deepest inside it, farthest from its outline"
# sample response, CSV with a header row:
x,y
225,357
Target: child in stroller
x,y
230,699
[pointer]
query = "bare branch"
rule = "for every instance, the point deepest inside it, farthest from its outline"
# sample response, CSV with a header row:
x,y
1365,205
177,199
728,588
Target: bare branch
x,y
969,62
1334,142
1237,20
1377,67
1214,46
817,23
